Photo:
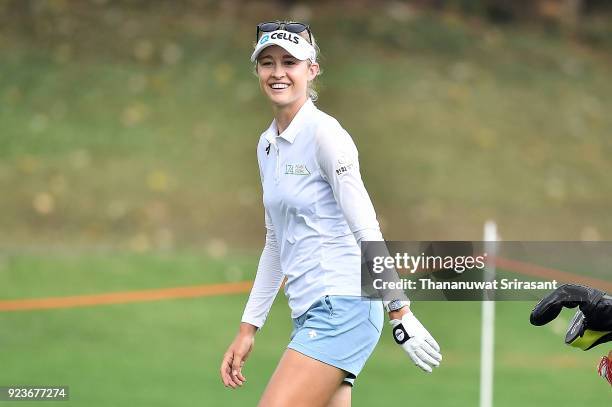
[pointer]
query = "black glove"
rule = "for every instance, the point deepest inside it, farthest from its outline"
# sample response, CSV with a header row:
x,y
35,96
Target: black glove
x,y
594,304
591,326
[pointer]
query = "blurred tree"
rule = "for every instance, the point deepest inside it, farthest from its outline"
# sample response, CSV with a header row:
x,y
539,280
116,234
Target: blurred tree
x,y
565,12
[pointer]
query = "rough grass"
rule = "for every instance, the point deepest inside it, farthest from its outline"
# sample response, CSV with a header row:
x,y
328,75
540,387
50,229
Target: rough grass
x,y
136,129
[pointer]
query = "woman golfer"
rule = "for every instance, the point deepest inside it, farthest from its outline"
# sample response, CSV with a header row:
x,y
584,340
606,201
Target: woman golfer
x,y
317,211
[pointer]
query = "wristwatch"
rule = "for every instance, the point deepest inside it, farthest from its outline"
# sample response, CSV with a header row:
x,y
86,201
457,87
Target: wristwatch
x,y
395,305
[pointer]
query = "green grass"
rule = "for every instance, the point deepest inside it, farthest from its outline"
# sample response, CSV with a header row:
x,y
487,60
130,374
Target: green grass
x,y
52,274
168,352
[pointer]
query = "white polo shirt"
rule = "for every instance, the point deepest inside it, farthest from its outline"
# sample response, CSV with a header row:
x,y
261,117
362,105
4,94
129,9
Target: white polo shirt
x,y
317,210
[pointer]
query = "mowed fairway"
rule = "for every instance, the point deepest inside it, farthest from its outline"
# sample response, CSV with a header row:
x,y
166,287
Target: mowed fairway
x,y
164,353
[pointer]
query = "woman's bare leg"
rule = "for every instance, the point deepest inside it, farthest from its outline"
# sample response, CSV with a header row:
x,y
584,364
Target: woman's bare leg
x,y
301,381
342,396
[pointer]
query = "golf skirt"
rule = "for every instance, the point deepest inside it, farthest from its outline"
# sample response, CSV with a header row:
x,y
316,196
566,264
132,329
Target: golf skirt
x,y
341,331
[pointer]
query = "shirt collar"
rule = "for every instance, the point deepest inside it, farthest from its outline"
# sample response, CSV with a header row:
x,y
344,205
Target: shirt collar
x,y
294,127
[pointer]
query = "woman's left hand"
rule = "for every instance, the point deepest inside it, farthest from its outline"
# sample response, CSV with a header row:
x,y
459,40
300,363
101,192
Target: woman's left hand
x,y
399,313
416,341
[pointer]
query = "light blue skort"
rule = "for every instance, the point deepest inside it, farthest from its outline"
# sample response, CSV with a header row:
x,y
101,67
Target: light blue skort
x,y
341,331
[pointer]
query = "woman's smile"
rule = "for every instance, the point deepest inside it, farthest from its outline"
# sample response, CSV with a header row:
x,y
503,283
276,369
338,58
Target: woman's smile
x,y
279,86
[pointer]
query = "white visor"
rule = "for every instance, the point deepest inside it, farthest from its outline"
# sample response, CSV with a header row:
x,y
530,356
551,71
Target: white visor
x,y
295,44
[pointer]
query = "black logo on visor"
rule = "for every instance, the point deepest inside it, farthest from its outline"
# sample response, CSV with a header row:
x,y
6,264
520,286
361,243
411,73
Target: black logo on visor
x,y
285,36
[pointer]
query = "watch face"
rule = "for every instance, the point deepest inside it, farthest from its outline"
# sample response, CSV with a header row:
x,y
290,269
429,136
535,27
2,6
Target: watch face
x,y
395,305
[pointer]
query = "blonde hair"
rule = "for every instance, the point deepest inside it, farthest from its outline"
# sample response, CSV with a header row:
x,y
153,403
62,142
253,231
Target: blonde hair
x,y
312,88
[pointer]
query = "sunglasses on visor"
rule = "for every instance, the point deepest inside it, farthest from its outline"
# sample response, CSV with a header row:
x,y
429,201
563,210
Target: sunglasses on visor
x,y
292,27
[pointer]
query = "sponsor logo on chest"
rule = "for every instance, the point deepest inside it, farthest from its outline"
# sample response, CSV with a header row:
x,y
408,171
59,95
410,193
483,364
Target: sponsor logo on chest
x,y
296,169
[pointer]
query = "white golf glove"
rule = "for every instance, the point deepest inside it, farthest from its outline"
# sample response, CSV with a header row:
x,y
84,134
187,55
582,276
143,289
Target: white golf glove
x,y
412,336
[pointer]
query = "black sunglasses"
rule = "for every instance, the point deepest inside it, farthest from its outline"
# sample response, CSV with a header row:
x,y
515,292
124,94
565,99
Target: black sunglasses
x,y
292,27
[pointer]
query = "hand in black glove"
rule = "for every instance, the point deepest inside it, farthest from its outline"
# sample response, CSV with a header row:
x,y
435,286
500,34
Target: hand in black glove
x,y
591,326
594,304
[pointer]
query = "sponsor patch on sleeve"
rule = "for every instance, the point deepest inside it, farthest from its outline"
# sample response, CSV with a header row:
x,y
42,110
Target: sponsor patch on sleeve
x,y
343,165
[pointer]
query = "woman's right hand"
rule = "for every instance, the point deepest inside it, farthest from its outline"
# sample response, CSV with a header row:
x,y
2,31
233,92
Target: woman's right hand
x,y
235,356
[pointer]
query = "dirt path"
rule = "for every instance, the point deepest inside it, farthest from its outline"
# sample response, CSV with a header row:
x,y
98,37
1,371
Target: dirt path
x,y
126,297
